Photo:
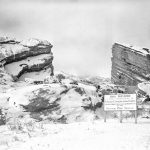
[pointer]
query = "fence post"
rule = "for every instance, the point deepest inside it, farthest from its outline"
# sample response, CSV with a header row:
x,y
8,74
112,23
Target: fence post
x,y
105,114
120,116
135,116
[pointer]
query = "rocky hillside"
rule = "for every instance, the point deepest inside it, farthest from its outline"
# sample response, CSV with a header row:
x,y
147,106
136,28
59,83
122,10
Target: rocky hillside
x,y
29,88
130,65
17,58
52,102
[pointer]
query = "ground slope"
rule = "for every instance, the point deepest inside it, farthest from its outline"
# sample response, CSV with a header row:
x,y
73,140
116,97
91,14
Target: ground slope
x,y
84,136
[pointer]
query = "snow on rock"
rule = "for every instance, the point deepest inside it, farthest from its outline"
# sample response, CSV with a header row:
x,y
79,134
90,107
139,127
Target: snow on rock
x,y
34,42
36,76
54,102
24,49
6,81
19,57
36,63
130,65
7,40
68,82
145,87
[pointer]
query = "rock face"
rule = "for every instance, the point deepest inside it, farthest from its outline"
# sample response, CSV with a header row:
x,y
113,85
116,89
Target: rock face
x,y
52,102
41,96
130,66
19,57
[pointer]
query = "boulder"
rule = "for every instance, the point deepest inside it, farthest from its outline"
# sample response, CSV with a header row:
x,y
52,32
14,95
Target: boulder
x,y
145,87
20,57
54,102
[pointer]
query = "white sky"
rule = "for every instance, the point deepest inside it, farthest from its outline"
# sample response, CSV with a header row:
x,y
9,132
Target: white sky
x,y
82,33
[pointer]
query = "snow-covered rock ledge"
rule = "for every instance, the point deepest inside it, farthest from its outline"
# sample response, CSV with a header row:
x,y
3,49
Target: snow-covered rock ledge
x,y
19,57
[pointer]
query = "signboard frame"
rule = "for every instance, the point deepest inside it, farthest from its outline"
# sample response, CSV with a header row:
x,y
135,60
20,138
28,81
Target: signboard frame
x,y
114,102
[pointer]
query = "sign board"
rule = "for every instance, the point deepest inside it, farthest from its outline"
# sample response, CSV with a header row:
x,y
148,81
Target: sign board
x,y
120,102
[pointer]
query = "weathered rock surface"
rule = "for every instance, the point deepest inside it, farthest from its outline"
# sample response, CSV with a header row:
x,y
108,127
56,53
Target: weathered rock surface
x,y
130,66
19,57
54,102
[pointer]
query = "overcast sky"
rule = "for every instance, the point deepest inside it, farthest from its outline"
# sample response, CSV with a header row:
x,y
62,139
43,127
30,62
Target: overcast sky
x,y
82,33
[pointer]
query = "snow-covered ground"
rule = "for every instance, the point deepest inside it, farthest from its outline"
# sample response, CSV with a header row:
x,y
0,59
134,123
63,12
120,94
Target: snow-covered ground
x,y
23,133
96,135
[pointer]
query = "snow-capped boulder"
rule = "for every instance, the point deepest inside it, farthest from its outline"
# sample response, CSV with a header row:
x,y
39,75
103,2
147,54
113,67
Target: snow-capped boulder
x,y
50,80
54,102
20,57
69,82
145,87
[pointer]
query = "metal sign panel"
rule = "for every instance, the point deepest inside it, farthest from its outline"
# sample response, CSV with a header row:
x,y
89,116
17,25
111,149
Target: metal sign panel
x,y
120,102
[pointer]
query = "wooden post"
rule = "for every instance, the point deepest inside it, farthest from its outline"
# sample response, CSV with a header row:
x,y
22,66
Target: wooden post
x,y
136,111
120,116
135,116
105,114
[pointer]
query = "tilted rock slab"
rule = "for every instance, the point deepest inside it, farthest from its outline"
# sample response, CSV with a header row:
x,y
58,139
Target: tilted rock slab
x,y
130,65
19,57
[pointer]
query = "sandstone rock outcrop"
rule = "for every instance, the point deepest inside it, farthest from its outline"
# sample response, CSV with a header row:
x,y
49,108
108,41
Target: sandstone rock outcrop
x,y
41,96
19,57
52,102
130,65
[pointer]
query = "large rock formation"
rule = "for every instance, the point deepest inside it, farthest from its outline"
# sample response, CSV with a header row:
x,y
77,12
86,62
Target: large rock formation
x,y
130,65
52,102
20,57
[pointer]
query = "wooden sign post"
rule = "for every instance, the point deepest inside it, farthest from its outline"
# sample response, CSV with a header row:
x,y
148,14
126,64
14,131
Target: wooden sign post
x,y
120,116
135,116
136,112
120,102
105,115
